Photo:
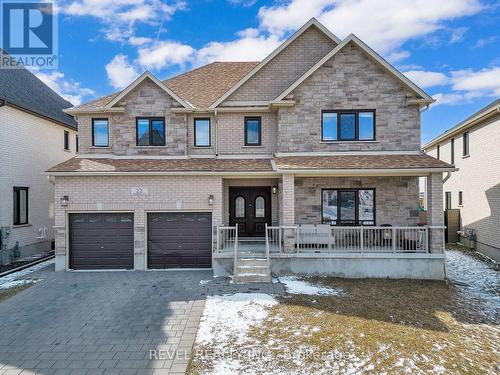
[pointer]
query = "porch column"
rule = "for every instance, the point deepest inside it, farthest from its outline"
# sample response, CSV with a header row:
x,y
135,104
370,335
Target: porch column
x,y
288,197
435,215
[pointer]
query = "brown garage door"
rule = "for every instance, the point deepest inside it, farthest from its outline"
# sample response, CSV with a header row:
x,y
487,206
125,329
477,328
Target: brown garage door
x,y
179,240
101,241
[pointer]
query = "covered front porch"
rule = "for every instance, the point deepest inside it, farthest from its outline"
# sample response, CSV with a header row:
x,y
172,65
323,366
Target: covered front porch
x,y
348,223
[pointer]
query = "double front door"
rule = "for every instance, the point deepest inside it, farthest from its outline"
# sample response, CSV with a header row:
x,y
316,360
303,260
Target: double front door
x,y
250,208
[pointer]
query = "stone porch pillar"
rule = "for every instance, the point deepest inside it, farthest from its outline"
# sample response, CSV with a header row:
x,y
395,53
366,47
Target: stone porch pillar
x,y
435,215
288,197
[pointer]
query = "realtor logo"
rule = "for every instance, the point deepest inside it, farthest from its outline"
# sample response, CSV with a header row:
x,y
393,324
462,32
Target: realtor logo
x,y
29,34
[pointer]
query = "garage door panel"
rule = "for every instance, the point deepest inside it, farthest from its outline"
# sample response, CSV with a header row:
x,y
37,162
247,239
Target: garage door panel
x,y
101,240
180,240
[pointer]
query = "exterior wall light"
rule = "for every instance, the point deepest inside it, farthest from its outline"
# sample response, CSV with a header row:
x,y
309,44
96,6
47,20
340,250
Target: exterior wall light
x,y
64,201
275,189
211,200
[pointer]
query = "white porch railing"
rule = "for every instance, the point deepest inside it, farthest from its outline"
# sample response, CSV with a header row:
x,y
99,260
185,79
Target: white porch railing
x,y
330,239
337,239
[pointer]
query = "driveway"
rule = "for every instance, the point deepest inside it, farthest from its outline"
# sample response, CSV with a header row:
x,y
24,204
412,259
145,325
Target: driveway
x,y
102,323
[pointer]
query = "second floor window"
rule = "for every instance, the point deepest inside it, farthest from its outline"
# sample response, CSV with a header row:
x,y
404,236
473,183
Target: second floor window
x,y
466,144
100,132
348,125
438,151
150,131
66,140
202,132
452,151
252,131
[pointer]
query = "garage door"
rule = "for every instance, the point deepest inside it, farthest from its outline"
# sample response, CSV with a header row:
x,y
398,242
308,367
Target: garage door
x,y
179,240
101,241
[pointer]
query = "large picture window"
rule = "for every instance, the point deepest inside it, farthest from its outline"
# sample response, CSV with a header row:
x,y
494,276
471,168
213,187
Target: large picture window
x,y
20,205
100,132
348,206
202,132
150,131
357,125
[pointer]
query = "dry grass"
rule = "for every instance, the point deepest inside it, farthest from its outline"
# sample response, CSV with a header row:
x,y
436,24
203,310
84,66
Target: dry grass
x,y
9,292
377,326
385,326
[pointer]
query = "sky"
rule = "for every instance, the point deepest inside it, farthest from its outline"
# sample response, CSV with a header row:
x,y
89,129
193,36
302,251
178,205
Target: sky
x,y
450,48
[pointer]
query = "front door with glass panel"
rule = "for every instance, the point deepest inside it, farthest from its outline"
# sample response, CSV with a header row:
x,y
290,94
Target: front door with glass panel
x,y
250,208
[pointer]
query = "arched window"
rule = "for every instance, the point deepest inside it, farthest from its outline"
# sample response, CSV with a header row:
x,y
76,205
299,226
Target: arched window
x,y
239,207
260,206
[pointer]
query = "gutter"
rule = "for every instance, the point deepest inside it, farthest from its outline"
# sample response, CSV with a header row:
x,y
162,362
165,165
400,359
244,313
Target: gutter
x,y
2,102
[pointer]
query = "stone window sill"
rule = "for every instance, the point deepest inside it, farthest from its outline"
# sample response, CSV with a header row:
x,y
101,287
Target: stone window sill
x,y
100,147
247,146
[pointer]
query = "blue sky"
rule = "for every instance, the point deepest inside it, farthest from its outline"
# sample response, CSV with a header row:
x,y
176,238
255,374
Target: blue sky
x,y
450,48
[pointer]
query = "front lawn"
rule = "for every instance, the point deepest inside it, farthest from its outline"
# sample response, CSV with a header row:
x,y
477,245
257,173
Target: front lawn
x,y
360,326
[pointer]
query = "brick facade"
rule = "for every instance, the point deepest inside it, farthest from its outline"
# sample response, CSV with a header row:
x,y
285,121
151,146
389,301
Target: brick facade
x,y
286,67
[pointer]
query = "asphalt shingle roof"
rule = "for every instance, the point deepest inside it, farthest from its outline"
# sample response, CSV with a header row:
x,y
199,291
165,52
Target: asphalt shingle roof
x,y
200,87
23,89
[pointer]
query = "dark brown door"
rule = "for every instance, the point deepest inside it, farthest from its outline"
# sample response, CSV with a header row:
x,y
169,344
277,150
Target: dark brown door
x,y
180,240
250,208
101,241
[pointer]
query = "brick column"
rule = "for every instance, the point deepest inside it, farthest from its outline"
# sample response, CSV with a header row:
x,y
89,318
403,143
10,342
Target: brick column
x,y
435,207
140,237
288,204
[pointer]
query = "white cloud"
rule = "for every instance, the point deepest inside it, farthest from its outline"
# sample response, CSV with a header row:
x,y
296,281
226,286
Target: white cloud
x,y
247,48
119,17
68,89
120,72
139,40
485,41
485,81
243,3
457,35
396,56
164,54
384,26
426,79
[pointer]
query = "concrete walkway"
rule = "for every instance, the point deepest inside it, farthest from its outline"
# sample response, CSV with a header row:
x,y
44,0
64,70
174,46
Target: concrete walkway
x,y
127,322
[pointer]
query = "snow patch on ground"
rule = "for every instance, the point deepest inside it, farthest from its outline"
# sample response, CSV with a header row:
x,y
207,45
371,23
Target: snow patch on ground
x,y
15,279
295,285
230,316
475,278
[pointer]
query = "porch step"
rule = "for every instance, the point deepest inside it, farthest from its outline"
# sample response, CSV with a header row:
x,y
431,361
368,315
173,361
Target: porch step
x,y
252,270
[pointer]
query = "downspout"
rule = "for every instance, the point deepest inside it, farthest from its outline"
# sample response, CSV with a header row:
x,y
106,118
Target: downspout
x,y
448,175
216,133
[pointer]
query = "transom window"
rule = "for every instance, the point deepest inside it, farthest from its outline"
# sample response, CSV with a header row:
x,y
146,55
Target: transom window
x,y
252,131
150,131
20,205
356,125
100,132
202,132
348,206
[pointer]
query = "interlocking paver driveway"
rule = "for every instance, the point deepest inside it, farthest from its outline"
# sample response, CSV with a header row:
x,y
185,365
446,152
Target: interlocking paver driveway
x,y
102,322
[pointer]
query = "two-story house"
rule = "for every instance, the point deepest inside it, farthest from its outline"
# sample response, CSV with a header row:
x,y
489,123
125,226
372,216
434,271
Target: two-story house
x,y
35,134
472,146
305,162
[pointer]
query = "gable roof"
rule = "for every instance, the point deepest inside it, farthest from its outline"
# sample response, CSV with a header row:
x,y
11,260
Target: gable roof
x,y
200,86
22,89
138,80
313,22
475,118
376,57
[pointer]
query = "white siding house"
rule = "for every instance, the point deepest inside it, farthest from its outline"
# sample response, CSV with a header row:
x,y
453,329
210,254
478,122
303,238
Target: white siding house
x,y
34,134
475,187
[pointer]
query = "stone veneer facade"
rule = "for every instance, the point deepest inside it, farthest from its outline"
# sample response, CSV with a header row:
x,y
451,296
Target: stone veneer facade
x,y
350,80
396,198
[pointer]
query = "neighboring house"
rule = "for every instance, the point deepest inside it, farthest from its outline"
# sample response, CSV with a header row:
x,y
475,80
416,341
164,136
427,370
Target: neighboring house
x,y
309,153
35,134
473,147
